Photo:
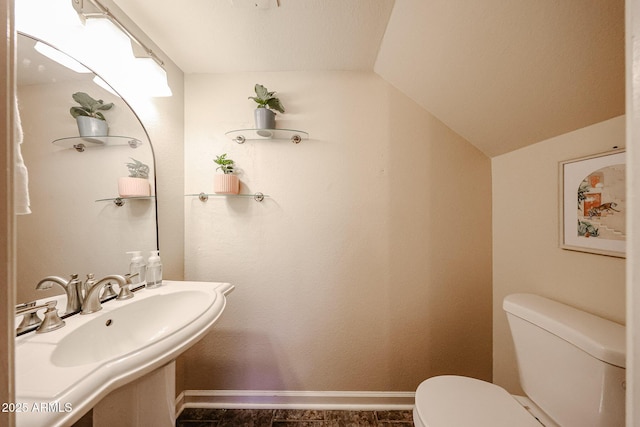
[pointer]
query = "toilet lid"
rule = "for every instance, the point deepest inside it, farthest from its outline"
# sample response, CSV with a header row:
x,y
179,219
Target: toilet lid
x,y
453,401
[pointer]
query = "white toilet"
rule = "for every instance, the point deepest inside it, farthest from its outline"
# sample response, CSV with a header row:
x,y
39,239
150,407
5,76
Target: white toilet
x,y
571,365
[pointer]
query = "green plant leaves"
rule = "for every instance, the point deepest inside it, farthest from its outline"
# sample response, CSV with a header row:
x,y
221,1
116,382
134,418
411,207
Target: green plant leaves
x,y
137,169
266,99
261,102
274,104
262,92
77,111
226,165
88,106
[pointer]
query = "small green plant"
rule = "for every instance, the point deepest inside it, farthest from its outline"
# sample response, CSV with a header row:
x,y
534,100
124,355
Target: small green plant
x,y
137,169
266,99
225,165
88,106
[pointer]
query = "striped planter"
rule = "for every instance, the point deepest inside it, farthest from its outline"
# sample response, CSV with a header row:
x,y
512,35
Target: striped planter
x,y
133,187
226,184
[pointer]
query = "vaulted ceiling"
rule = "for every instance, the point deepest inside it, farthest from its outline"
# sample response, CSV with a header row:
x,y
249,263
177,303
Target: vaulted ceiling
x,y
502,73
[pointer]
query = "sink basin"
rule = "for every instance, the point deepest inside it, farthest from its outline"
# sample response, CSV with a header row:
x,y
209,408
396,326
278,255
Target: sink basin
x,y
130,328
79,364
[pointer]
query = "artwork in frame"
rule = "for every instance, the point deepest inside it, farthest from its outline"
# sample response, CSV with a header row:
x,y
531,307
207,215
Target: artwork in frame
x,y
593,204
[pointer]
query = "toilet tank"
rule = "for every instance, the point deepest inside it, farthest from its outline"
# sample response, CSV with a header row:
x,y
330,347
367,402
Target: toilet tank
x,y
571,363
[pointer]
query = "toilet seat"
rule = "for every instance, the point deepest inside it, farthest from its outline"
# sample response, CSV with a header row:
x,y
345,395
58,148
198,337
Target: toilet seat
x,y
454,401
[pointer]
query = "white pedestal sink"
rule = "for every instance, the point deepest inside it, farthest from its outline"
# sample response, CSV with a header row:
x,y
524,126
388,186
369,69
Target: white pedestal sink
x,y
60,375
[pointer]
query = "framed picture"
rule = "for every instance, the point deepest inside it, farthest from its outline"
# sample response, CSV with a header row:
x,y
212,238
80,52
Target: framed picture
x,y
593,204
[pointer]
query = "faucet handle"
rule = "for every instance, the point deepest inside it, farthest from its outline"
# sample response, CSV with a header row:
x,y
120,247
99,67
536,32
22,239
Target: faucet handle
x,y
29,320
88,284
125,292
25,305
107,292
51,320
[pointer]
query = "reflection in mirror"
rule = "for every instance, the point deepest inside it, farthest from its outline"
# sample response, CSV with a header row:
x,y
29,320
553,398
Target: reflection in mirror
x,y
72,229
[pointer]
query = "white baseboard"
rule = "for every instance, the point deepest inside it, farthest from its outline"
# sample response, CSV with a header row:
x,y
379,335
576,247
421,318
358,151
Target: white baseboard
x,y
319,400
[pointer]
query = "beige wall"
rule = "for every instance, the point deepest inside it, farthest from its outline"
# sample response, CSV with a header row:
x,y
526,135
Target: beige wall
x,y
368,268
526,256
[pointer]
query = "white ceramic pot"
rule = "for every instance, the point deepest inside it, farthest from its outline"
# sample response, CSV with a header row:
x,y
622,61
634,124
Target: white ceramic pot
x,y
226,184
133,187
90,126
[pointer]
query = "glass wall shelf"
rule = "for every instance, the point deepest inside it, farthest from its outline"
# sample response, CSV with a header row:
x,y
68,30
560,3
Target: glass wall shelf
x,y
119,201
242,135
258,197
80,143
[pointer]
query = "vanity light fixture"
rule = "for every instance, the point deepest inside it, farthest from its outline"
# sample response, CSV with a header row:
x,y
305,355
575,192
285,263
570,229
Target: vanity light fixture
x,y
146,64
105,45
50,20
60,57
86,11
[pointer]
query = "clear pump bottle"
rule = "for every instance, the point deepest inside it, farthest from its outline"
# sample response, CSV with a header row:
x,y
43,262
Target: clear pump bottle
x,y
154,270
137,266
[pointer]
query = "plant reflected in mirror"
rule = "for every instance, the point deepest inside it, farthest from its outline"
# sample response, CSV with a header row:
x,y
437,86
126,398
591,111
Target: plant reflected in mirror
x,y
69,231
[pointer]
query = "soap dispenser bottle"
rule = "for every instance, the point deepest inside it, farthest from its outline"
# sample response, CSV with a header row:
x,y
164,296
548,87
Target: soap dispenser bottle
x,y
137,266
154,270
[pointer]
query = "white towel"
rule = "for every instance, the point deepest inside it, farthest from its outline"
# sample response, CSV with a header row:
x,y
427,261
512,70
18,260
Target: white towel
x,y
20,174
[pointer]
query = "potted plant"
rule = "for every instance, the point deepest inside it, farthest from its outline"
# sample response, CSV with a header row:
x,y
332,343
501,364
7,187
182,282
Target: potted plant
x,y
88,115
267,102
137,183
227,182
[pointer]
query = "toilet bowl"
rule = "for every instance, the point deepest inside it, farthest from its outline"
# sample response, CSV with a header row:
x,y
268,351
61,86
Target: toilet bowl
x,y
461,401
571,366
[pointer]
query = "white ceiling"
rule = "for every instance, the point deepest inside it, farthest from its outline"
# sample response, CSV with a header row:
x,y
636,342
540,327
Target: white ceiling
x,y
502,73
224,36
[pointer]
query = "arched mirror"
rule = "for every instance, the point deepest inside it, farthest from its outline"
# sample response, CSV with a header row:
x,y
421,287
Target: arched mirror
x,y
79,223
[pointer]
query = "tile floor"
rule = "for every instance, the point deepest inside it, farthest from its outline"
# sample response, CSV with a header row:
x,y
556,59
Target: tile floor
x,y
197,417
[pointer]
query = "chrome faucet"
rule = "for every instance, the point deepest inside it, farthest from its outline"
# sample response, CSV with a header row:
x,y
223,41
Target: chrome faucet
x,y
71,287
51,320
91,302
88,284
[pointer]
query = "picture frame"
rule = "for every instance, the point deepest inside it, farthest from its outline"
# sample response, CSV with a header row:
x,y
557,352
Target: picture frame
x,y
593,204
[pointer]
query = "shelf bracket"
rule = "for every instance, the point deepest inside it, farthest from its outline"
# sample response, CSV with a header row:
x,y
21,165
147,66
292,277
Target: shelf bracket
x,y
240,136
134,143
258,197
118,202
